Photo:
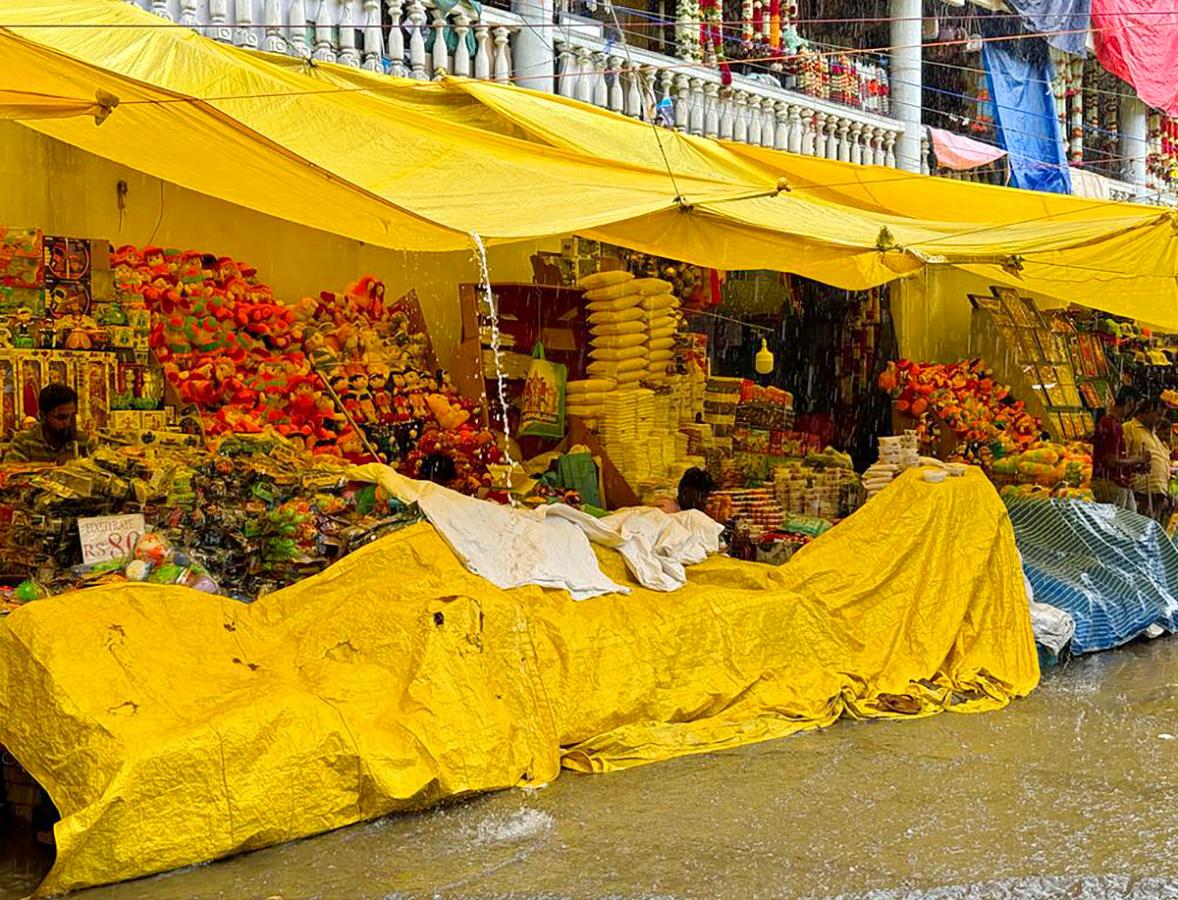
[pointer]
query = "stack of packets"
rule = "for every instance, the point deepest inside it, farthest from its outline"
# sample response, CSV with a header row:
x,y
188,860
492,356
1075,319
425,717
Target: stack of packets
x,y
756,508
895,455
721,398
585,398
660,311
253,517
617,328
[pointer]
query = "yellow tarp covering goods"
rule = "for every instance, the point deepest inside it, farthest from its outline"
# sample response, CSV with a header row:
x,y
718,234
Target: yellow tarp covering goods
x,y
374,158
172,727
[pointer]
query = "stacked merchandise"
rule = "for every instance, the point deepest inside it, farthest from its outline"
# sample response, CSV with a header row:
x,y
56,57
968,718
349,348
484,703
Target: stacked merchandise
x,y
826,493
721,398
249,519
895,455
660,318
625,428
585,399
1046,471
617,328
344,374
961,403
1044,371
756,508
60,321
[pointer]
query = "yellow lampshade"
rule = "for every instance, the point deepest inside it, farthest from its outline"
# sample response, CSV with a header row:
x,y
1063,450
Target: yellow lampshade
x,y
764,359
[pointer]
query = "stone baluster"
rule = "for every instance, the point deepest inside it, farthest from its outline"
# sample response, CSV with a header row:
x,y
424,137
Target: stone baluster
x,y
881,154
296,19
160,8
844,143
782,111
650,91
808,147
566,84
440,58
273,42
482,53
711,109
819,134
925,162
727,115
796,130
695,106
349,54
768,123
324,52
682,103
188,17
666,87
462,48
585,75
245,34
417,26
219,29
740,124
634,102
373,37
890,149
832,137
754,130
857,143
617,88
501,58
600,84
397,68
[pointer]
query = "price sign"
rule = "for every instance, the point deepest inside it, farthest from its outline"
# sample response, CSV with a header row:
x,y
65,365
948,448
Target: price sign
x,y
109,537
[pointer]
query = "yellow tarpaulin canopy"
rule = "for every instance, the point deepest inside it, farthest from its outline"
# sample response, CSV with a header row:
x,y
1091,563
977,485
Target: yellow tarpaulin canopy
x,y
172,727
377,158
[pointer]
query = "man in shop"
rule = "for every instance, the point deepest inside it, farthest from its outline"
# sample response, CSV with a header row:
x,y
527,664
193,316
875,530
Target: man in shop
x,y
1151,488
695,489
1112,467
55,437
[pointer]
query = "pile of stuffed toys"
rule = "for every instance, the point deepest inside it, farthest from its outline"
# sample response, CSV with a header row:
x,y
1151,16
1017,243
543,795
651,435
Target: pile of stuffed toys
x,y
966,399
342,374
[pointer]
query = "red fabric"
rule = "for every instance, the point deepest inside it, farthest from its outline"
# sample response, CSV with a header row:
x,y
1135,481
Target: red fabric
x,y
1109,444
1138,43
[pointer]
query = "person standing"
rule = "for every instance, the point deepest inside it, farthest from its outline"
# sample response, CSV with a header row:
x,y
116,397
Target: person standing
x,y
1152,488
1112,468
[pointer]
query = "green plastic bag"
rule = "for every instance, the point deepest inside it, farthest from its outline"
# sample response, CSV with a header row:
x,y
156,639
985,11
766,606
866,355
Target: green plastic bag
x,y
542,404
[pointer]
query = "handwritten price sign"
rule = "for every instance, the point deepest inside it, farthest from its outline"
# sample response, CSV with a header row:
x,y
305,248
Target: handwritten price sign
x,y
109,537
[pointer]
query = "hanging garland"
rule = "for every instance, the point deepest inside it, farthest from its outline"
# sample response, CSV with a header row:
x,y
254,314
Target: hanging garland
x,y
688,31
711,38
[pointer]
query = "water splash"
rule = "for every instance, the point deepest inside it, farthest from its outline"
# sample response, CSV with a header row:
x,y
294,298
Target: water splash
x,y
525,824
496,346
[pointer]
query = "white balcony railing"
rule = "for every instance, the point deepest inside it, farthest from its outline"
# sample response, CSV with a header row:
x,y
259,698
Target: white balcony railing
x,y
754,109
406,38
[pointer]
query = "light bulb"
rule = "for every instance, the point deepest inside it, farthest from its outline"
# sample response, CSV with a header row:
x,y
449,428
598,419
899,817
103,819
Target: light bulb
x,y
764,359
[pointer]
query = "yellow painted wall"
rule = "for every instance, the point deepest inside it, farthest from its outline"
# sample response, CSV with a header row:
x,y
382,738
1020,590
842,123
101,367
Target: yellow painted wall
x,y
933,315
66,191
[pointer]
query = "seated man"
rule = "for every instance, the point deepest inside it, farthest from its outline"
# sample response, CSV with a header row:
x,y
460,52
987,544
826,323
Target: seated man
x,y
55,438
695,487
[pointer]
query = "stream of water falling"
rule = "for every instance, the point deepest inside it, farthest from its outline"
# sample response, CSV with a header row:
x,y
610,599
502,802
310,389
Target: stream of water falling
x,y
496,344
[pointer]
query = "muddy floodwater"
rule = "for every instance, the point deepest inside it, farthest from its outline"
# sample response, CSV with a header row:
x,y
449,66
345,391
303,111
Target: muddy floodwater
x,y
1069,793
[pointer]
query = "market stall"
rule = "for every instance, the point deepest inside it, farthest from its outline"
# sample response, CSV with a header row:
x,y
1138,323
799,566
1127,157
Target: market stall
x,y
398,678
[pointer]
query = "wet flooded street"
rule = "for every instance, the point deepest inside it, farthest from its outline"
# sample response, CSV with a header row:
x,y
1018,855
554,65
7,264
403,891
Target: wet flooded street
x,y
1066,794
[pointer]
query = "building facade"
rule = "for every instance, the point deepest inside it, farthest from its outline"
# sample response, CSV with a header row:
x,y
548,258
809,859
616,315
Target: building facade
x,y
862,82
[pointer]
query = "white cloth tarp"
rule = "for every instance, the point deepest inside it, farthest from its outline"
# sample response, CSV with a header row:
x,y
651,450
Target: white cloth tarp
x,y
549,546
656,546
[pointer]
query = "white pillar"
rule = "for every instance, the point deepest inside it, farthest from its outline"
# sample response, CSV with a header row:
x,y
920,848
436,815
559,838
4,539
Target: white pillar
x,y
533,53
906,80
1134,130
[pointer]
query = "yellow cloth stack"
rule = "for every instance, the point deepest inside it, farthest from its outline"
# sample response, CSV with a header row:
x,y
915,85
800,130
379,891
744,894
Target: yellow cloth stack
x,y
660,317
617,328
